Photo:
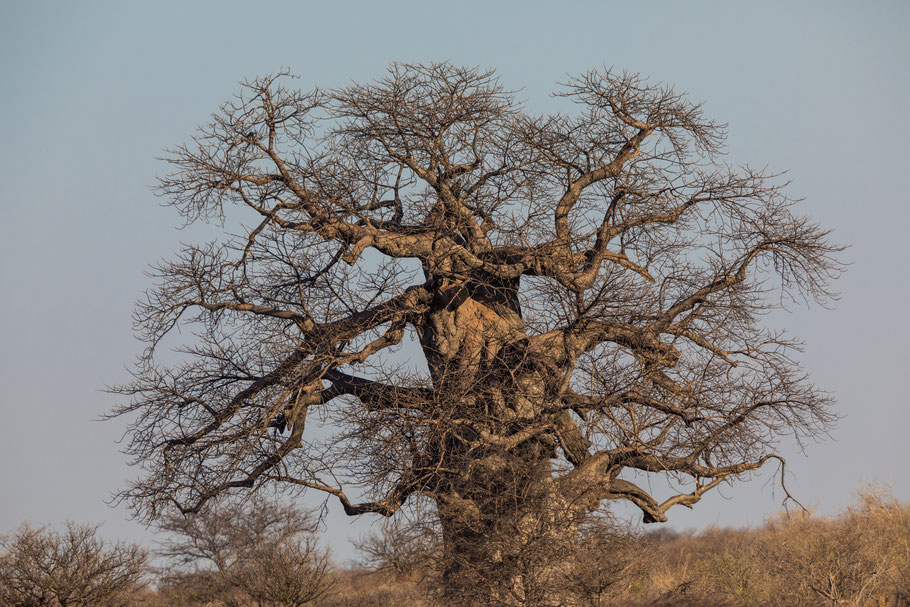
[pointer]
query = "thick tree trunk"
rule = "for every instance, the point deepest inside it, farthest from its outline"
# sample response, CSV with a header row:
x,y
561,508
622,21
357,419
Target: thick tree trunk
x,y
506,547
503,522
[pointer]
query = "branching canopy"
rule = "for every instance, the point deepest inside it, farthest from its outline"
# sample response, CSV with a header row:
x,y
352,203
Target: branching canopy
x,y
422,284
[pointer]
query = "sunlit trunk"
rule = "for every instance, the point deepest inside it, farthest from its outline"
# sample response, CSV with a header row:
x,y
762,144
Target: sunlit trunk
x,y
506,547
503,525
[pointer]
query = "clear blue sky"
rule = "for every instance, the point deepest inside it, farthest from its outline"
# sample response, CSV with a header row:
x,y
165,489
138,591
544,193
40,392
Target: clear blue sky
x,y
93,91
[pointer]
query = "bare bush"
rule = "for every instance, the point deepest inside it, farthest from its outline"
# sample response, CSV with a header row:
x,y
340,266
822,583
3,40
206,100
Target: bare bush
x,y
73,568
223,533
289,573
400,547
609,561
260,551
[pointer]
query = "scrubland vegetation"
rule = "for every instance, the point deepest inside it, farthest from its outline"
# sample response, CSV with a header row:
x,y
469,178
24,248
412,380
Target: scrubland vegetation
x,y
861,557
263,553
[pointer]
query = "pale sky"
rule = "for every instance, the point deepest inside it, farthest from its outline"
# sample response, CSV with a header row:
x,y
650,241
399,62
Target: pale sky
x,y
92,92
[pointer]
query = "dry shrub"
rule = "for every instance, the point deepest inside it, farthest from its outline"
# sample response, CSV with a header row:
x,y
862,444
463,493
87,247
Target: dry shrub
x,y
609,561
44,568
859,558
291,573
257,552
401,547
715,568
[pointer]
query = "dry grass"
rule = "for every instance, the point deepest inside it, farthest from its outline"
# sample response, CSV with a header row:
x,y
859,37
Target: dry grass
x,y
857,559
374,589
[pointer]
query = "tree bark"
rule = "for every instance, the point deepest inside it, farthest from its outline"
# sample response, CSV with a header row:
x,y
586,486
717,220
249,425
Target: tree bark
x,y
502,520
506,551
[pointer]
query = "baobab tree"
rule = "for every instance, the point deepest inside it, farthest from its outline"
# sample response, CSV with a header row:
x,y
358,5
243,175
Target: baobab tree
x,y
426,293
